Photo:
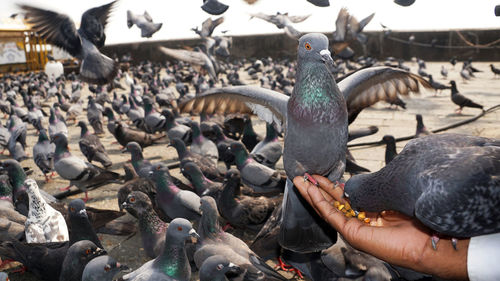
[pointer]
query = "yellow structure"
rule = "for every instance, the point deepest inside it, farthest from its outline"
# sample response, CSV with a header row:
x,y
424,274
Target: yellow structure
x,y
13,42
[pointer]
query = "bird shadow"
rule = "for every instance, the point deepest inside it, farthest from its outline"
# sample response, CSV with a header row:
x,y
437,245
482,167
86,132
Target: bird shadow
x,y
459,115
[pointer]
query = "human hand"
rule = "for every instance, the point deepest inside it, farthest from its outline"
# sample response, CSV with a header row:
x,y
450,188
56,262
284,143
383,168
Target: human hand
x,y
390,236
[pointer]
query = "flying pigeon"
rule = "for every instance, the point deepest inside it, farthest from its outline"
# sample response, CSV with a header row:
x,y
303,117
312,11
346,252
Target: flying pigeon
x,y
144,22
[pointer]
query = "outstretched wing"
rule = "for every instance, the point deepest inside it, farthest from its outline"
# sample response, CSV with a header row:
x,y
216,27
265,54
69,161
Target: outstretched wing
x,y
185,55
269,105
209,25
292,32
57,29
365,21
269,18
94,22
371,85
147,16
297,19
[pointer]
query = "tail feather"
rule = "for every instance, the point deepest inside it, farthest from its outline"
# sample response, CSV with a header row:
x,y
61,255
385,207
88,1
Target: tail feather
x,y
97,68
470,103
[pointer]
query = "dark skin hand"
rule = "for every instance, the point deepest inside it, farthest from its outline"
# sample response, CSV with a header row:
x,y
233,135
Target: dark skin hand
x,y
389,236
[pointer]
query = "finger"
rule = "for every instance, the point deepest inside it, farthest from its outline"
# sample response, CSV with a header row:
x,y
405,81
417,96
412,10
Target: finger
x,y
334,217
302,186
334,191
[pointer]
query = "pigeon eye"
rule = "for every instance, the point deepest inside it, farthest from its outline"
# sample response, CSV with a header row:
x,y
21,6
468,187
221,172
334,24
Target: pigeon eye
x,y
158,168
132,200
107,267
72,209
87,251
220,266
179,228
307,46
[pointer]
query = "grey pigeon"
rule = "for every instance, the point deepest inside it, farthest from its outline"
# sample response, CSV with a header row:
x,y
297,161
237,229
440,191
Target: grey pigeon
x,y
176,130
152,228
303,115
153,120
43,154
214,7
320,3
203,146
208,26
94,116
17,141
124,135
421,129
216,267
11,221
56,126
444,72
80,173
43,224
283,21
141,165
172,264
453,181
176,203
144,22
4,137
201,184
436,85
102,268
269,150
206,165
92,148
196,58
390,148
84,43
77,257
214,241
460,99
81,228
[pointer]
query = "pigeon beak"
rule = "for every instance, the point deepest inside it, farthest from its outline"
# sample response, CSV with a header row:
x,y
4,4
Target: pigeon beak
x,y
125,150
82,213
233,268
124,205
122,266
326,56
150,174
194,236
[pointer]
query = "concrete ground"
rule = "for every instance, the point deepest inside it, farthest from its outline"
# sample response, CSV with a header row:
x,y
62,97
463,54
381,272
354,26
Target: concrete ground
x,y
437,110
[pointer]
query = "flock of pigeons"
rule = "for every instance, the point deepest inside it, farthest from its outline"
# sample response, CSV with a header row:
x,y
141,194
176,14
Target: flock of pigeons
x,y
308,103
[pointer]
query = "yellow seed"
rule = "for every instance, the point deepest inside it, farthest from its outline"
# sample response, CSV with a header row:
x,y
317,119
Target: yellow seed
x,y
367,220
347,206
361,216
353,214
349,215
341,207
336,204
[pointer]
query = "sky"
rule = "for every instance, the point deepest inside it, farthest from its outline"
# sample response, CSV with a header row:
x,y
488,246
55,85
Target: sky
x,y
179,16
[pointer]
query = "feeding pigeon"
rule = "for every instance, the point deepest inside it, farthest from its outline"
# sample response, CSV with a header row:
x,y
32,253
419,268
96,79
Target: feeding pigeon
x,y
84,43
102,268
283,21
144,22
453,181
44,224
172,264
80,173
316,108
461,100
92,148
77,257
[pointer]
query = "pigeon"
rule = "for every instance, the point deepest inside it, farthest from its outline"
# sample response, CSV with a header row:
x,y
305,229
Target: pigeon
x,y
94,116
214,241
102,268
4,137
421,129
283,21
17,141
153,121
141,165
172,264
152,228
144,22
216,267
81,228
214,7
5,277
11,221
453,181
91,147
202,145
84,43
176,203
56,126
404,3
242,211
176,130
347,28
269,150
461,100
206,165
208,27
43,224
259,177
444,72
80,173
77,257
320,3
436,85
495,70
250,138
390,149
43,154
304,114
359,133
201,184
223,143
195,58
125,135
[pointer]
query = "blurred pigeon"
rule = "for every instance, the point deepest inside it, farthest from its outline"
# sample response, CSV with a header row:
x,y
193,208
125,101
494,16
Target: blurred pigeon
x,y
390,148
91,147
152,228
11,221
404,3
347,28
84,43
421,129
102,268
56,126
453,181
320,3
208,27
153,121
202,145
444,72
436,85
250,138
94,116
269,150
217,268
144,22
461,100
495,70
77,257
124,135
283,21
176,130
196,58
43,154
172,264
214,7
44,224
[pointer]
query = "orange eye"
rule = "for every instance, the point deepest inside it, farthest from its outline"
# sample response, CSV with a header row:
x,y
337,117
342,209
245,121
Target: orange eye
x,y
307,46
179,228
72,209
220,266
132,200
87,251
107,267
158,167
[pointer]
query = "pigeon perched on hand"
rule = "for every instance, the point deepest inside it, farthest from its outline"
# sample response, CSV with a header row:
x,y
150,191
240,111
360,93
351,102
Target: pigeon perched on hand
x,y
84,43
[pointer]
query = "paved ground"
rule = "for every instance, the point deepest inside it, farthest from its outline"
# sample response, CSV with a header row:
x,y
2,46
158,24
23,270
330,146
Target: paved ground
x,y
437,110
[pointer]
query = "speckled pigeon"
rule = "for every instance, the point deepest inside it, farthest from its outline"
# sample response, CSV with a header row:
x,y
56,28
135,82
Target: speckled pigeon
x,y
453,179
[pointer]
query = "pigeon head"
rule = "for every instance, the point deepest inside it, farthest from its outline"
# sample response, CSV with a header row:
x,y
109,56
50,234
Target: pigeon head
x,y
137,201
179,145
181,229
233,175
192,171
360,196
84,251
208,205
388,139
159,172
453,83
61,142
314,47
82,124
14,171
133,147
218,268
77,208
102,268
31,186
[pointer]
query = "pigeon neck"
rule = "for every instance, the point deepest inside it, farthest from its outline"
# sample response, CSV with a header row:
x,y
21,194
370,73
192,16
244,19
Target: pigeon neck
x,y
110,115
390,152
148,108
209,225
241,158
61,152
150,223
271,133
173,260
42,137
137,159
167,187
82,230
200,182
37,205
85,131
181,150
248,129
454,89
229,193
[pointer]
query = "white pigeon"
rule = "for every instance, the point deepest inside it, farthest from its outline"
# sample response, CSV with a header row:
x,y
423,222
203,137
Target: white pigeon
x,y
44,224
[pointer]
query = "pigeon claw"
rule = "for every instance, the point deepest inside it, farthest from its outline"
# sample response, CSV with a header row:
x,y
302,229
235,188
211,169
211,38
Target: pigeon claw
x,y
434,241
310,179
283,266
454,242
65,188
